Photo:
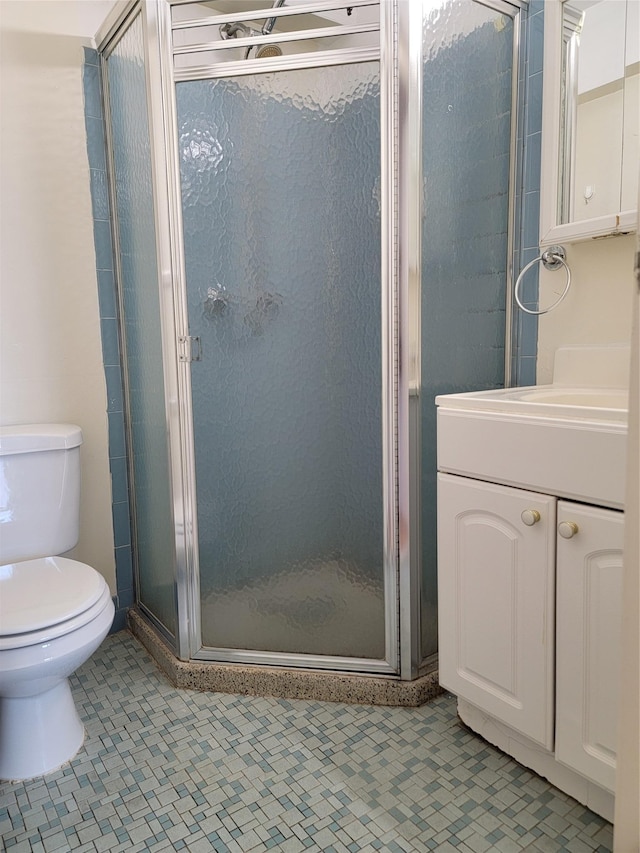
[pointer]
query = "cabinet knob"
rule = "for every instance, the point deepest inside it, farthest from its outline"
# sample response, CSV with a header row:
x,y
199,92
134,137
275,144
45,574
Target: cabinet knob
x,y
530,517
567,529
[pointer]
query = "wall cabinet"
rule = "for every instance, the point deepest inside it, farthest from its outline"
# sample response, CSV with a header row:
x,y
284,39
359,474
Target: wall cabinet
x,y
589,184
530,600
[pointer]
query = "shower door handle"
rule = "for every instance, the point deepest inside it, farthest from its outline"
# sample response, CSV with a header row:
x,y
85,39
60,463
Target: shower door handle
x,y
189,348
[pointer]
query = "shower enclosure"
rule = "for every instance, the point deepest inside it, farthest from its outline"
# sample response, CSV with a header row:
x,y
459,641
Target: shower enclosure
x,y
312,209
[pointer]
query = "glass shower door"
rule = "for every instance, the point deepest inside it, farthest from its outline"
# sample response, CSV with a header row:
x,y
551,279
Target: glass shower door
x,y
140,315
280,182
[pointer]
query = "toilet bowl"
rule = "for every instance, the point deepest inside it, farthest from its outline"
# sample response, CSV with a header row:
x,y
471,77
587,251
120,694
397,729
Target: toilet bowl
x,y
54,611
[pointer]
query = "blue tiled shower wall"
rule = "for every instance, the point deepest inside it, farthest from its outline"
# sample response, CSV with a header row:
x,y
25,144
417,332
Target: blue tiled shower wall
x,y
525,327
96,147
524,330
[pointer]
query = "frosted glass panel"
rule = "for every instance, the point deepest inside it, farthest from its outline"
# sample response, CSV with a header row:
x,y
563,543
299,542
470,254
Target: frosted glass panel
x,y
281,205
467,50
138,283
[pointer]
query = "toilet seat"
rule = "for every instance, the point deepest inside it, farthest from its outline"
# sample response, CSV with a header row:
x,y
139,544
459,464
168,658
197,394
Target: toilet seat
x,y
46,598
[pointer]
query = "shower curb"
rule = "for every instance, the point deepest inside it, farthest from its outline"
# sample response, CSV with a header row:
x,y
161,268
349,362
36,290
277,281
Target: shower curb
x,y
283,683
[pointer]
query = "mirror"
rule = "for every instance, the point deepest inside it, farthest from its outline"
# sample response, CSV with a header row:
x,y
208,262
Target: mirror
x,y
590,119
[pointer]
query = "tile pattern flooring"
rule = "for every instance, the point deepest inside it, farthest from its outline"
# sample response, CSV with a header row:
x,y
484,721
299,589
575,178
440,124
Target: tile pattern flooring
x,y
165,769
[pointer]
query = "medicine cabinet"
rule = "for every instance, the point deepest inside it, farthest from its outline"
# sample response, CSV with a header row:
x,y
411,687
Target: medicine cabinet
x,y
590,151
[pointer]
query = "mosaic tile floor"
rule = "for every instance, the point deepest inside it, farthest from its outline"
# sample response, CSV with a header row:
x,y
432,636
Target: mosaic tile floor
x,y
165,769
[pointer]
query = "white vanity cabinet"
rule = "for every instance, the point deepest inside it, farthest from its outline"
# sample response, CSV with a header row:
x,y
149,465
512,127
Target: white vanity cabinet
x,y
589,610
530,601
530,524
496,555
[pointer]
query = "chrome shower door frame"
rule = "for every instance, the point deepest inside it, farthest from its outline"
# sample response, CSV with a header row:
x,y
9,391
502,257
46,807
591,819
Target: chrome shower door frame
x,y
108,37
407,246
163,78
410,18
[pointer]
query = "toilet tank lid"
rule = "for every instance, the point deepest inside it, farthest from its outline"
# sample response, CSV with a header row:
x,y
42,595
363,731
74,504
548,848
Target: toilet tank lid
x,y
30,438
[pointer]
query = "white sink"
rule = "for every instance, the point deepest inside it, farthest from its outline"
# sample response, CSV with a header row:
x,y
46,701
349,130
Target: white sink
x,y
566,439
547,401
591,398
569,442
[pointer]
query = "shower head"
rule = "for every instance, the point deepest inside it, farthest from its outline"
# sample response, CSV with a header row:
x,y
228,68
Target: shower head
x,y
268,50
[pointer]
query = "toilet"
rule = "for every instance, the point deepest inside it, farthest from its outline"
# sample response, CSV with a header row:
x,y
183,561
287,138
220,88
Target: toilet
x,y
54,612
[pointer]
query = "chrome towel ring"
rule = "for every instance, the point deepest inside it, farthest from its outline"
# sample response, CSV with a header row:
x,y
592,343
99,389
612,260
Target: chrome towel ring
x,y
552,258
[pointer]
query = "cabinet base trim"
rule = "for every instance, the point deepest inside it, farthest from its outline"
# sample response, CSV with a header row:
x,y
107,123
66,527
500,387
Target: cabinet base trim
x,y
543,763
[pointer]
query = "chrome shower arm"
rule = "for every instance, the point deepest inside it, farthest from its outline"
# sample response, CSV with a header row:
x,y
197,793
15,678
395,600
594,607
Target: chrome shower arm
x,y
268,25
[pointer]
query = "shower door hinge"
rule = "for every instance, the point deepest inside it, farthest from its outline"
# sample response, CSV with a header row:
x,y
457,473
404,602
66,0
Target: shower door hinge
x,y
189,348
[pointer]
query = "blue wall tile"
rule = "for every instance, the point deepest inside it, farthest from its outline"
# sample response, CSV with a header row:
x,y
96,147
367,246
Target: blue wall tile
x,y
528,335
117,443
103,244
124,567
527,370
536,43
125,598
528,293
92,91
525,331
95,142
120,619
534,104
91,56
99,194
96,151
533,146
121,524
107,294
114,389
110,342
531,220
119,479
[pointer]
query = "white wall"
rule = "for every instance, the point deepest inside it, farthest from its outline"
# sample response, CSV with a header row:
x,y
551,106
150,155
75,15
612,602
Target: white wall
x,y
50,350
598,306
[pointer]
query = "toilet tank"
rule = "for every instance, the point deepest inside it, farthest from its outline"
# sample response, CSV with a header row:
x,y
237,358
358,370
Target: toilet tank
x,y
39,490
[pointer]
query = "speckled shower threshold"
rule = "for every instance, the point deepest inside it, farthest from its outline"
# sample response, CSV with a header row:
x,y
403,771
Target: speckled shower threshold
x,y
282,682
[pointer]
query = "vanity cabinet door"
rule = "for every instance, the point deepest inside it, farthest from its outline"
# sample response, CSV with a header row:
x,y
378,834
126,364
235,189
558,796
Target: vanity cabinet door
x,y
496,554
589,611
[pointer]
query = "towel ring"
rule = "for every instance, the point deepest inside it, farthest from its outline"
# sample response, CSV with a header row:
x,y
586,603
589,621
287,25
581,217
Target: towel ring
x,y
552,258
